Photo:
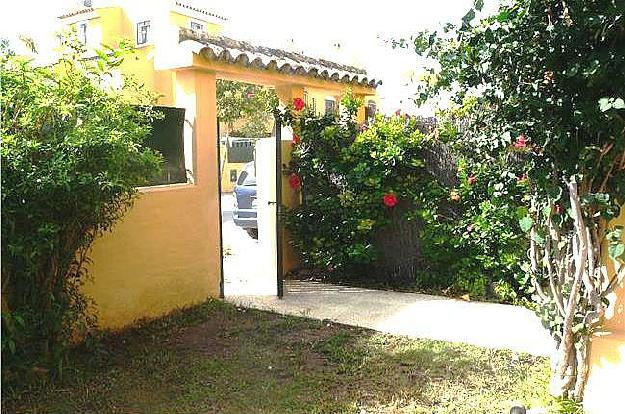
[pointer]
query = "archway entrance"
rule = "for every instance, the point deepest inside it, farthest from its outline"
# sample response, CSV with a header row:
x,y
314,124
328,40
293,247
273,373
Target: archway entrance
x,y
292,76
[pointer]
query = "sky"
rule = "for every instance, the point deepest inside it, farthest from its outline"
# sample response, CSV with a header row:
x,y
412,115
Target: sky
x,y
346,31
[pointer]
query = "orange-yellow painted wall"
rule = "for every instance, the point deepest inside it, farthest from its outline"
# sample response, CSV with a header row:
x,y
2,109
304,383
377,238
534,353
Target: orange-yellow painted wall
x,y
165,253
606,382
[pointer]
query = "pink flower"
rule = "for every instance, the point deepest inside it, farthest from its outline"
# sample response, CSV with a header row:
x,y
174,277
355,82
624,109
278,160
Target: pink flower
x,y
296,139
398,112
364,127
470,228
472,179
557,209
298,104
390,200
294,181
521,142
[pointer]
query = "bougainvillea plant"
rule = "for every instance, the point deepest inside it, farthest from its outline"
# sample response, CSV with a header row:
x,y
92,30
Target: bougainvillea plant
x,y
548,105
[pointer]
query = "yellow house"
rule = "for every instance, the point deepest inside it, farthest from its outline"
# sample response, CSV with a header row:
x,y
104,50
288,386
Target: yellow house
x,y
166,252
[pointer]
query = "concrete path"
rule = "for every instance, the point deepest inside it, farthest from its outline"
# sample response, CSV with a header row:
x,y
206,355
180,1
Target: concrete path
x,y
415,315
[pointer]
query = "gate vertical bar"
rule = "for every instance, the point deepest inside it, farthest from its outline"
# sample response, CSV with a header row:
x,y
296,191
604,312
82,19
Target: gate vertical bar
x,y
279,272
221,234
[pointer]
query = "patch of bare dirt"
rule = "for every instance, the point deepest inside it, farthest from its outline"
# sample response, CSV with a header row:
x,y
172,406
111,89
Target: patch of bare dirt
x,y
210,338
309,335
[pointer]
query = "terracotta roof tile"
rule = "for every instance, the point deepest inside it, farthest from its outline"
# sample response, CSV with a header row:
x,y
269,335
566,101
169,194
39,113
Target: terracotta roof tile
x,y
76,12
198,10
261,57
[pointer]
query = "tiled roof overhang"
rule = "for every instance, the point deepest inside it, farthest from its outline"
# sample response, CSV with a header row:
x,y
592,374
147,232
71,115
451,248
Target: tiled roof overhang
x,y
198,10
76,12
221,48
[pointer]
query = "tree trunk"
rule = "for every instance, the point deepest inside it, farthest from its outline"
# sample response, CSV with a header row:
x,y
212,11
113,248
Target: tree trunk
x,y
569,280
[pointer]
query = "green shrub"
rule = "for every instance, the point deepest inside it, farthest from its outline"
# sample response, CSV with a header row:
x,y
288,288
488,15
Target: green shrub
x,y
469,238
546,102
71,161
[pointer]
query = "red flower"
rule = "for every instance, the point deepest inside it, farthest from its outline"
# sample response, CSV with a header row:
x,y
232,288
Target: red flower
x,y
521,142
398,112
296,139
390,200
294,181
557,209
472,179
298,104
522,177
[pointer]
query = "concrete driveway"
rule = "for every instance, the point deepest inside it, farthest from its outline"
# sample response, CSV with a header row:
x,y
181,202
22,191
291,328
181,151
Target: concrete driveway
x,y
415,315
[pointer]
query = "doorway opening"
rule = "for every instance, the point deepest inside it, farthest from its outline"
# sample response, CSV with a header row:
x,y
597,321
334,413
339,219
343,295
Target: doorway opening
x,y
249,156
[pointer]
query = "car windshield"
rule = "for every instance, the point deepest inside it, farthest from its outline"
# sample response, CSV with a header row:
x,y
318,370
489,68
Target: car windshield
x,y
248,176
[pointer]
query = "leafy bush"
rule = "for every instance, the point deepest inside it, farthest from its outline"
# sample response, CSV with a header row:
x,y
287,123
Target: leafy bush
x,y
542,74
482,246
345,176
355,180
71,161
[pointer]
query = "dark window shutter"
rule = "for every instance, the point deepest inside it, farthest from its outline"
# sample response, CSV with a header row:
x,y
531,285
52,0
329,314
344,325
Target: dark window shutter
x,y
167,137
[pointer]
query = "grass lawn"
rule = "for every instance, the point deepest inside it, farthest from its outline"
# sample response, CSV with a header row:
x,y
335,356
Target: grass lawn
x,y
215,358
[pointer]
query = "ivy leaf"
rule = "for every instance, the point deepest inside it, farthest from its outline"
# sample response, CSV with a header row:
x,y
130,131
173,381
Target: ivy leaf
x,y
526,223
478,4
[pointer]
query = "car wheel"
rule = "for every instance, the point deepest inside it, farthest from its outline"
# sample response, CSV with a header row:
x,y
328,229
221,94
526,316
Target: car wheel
x,y
253,233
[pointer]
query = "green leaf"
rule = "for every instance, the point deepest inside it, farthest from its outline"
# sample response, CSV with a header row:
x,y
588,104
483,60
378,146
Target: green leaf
x,y
521,212
616,250
526,223
468,17
605,104
503,16
618,103
478,4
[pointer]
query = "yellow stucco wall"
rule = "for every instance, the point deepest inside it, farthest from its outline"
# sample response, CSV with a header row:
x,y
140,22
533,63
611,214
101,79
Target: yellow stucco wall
x,y
606,383
165,253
